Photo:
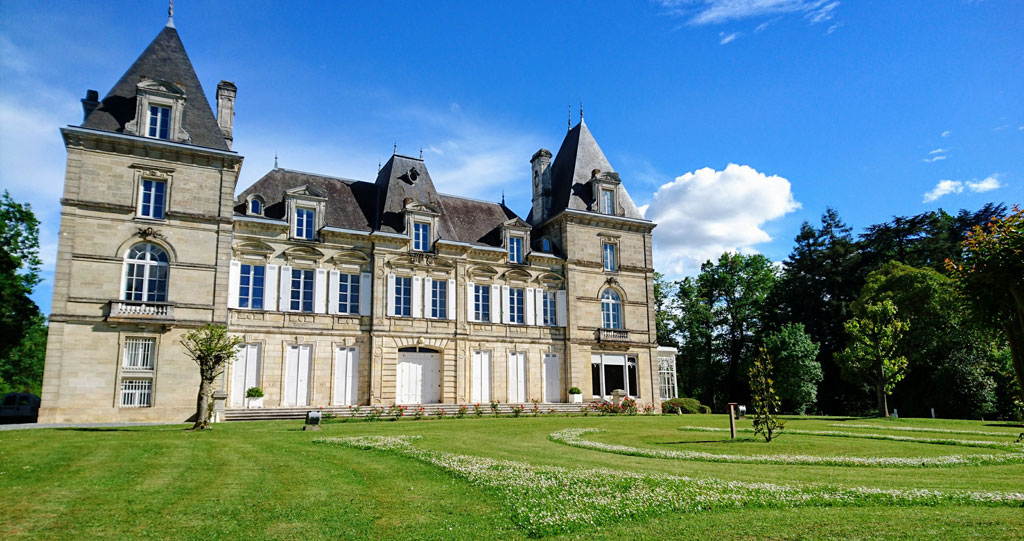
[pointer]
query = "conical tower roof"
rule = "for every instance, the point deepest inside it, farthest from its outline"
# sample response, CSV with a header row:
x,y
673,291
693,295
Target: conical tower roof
x,y
164,59
573,169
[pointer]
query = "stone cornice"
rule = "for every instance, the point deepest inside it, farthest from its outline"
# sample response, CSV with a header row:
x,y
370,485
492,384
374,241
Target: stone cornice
x,y
148,147
600,220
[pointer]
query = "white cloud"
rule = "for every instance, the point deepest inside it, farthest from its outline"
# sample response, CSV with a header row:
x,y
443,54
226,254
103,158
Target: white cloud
x,y
706,212
701,12
986,185
935,159
946,187
726,38
946,133
939,151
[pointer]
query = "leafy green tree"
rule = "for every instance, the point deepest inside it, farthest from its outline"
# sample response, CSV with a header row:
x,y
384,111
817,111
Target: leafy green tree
x,y
212,349
797,371
872,353
665,317
763,399
22,326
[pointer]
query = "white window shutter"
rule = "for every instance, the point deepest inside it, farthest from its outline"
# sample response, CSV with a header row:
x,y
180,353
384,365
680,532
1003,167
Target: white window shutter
x,y
561,311
285,288
529,306
470,301
428,297
365,293
506,312
234,272
320,291
417,296
270,288
538,305
391,296
333,281
496,304
451,298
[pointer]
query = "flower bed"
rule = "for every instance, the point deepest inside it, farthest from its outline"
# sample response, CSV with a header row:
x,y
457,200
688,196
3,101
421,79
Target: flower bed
x,y
923,429
870,436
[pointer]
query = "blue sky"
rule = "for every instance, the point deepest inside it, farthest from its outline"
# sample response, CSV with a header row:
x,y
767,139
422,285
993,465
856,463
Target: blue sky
x,y
874,108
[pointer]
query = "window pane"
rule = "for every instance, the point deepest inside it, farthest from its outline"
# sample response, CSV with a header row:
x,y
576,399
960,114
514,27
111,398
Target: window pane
x,y
614,378
631,376
595,379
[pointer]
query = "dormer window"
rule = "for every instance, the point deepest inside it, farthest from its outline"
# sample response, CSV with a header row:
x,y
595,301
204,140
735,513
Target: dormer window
x,y
256,206
607,201
421,237
160,122
515,249
304,220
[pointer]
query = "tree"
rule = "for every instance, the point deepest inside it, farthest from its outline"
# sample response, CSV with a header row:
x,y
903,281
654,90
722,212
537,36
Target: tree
x,y
797,371
665,318
211,348
871,355
22,326
991,276
763,398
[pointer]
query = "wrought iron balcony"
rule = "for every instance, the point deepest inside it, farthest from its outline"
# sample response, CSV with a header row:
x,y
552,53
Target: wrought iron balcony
x,y
141,310
612,335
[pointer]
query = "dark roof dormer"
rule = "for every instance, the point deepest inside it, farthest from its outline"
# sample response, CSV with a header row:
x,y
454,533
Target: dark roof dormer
x,y
401,180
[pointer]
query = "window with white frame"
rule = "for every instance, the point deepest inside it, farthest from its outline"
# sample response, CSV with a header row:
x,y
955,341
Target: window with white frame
x,y
145,274
439,299
607,201
611,309
548,308
403,296
160,122
608,250
481,303
136,393
138,353
667,378
305,218
250,286
421,237
348,294
516,296
611,371
256,206
152,199
515,249
302,290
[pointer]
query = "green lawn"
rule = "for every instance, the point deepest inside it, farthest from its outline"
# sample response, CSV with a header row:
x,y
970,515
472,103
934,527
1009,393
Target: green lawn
x,y
269,480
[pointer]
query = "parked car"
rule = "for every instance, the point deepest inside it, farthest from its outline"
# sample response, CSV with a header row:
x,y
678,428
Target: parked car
x,y
19,408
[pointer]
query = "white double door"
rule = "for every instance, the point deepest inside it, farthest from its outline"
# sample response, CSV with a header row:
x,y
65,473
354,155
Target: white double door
x,y
516,377
480,393
296,380
244,372
552,378
346,376
418,380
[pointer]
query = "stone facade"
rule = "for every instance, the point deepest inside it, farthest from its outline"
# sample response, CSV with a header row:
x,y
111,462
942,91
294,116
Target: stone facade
x,y
280,265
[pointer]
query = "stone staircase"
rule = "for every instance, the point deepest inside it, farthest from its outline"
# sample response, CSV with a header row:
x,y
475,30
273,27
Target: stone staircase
x,y
450,410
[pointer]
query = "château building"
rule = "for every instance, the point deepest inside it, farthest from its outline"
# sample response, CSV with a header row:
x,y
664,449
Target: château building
x,y
344,291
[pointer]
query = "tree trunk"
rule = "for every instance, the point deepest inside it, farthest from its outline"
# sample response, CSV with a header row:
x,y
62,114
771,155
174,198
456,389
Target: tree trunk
x,y
203,405
883,405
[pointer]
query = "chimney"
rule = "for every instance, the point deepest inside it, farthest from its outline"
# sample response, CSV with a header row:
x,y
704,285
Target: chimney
x,y
226,91
540,164
90,103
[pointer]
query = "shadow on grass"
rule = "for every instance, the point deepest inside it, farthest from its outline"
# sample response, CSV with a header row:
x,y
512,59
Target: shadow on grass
x,y
686,442
95,429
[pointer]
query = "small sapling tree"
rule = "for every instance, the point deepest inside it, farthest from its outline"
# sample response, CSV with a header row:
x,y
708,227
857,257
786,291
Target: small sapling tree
x,y
871,354
211,348
763,398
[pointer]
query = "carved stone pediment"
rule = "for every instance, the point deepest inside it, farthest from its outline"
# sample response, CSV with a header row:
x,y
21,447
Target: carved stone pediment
x,y
306,191
516,275
550,280
420,208
482,273
350,257
303,254
253,248
516,223
418,260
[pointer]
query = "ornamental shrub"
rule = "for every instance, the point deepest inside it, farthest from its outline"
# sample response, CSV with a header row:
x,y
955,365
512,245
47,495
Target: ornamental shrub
x,y
705,409
681,405
575,390
254,392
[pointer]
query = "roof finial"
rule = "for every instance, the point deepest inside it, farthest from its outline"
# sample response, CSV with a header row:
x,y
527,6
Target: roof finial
x,y
170,13
568,102
378,165
421,153
503,198
275,157
581,109
395,150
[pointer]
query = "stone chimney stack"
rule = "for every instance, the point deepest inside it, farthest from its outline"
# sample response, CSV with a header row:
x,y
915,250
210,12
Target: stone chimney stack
x,y
226,91
89,103
541,164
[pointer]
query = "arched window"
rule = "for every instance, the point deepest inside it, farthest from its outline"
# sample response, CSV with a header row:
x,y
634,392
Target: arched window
x,y
145,273
256,206
611,310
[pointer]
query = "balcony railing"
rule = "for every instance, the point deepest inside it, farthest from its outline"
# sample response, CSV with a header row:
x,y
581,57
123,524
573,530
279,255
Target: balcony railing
x,y
141,310
612,335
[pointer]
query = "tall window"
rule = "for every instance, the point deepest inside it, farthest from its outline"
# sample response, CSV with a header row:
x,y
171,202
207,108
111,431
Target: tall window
x,y
548,307
613,371
611,310
515,305
667,378
256,207
607,202
160,122
136,393
348,294
302,290
609,256
421,237
304,218
403,296
481,303
138,353
250,287
439,299
145,274
152,199
515,249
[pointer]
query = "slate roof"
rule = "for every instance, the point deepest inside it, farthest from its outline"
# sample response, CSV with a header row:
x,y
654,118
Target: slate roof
x,y
163,60
572,170
351,204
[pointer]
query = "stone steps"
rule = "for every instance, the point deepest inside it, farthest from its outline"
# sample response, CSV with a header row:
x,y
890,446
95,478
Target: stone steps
x,y
299,412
